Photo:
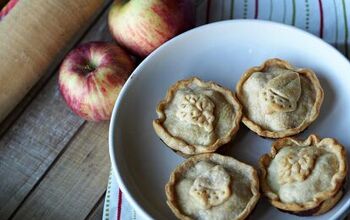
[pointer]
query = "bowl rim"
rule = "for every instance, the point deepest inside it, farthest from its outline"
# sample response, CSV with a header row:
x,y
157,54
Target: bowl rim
x,y
112,127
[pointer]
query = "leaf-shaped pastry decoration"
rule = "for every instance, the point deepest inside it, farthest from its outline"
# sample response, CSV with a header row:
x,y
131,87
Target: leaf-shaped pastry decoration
x,y
212,187
197,109
282,93
297,166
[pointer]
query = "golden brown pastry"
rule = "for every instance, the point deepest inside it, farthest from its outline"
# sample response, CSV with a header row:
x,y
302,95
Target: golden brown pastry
x,y
304,177
212,186
197,117
279,100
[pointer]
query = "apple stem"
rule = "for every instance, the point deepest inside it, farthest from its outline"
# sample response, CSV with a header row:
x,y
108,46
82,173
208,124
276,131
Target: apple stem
x,y
123,1
90,67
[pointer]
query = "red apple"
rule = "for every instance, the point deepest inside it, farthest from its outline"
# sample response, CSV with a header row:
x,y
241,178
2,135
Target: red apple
x,y
143,25
91,76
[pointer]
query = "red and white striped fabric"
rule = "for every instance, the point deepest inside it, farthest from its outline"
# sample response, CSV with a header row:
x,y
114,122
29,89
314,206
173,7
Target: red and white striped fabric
x,y
326,19
115,206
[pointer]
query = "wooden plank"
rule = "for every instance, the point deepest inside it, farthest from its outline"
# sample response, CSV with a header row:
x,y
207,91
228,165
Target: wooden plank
x,y
5,124
32,144
97,212
36,139
98,31
75,182
24,103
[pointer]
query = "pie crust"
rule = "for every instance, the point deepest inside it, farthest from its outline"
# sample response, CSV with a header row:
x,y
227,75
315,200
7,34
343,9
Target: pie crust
x,y
212,186
279,100
304,177
197,117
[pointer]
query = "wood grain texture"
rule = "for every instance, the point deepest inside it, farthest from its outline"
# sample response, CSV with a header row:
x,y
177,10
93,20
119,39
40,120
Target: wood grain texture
x,y
97,212
37,138
31,144
76,181
13,115
33,37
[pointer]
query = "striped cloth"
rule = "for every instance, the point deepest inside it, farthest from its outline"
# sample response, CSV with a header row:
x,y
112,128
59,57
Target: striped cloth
x,y
326,19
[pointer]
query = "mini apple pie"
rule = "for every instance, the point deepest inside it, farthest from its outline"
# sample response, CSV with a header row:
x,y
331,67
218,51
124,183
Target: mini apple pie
x,y
197,117
212,186
279,100
304,177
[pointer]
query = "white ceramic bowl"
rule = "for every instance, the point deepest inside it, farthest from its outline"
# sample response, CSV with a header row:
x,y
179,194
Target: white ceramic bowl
x,y
220,52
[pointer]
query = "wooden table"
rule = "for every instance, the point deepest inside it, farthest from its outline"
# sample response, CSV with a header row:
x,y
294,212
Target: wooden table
x,y
53,164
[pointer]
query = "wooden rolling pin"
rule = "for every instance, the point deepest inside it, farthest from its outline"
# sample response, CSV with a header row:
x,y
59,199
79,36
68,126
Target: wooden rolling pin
x,y
32,38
